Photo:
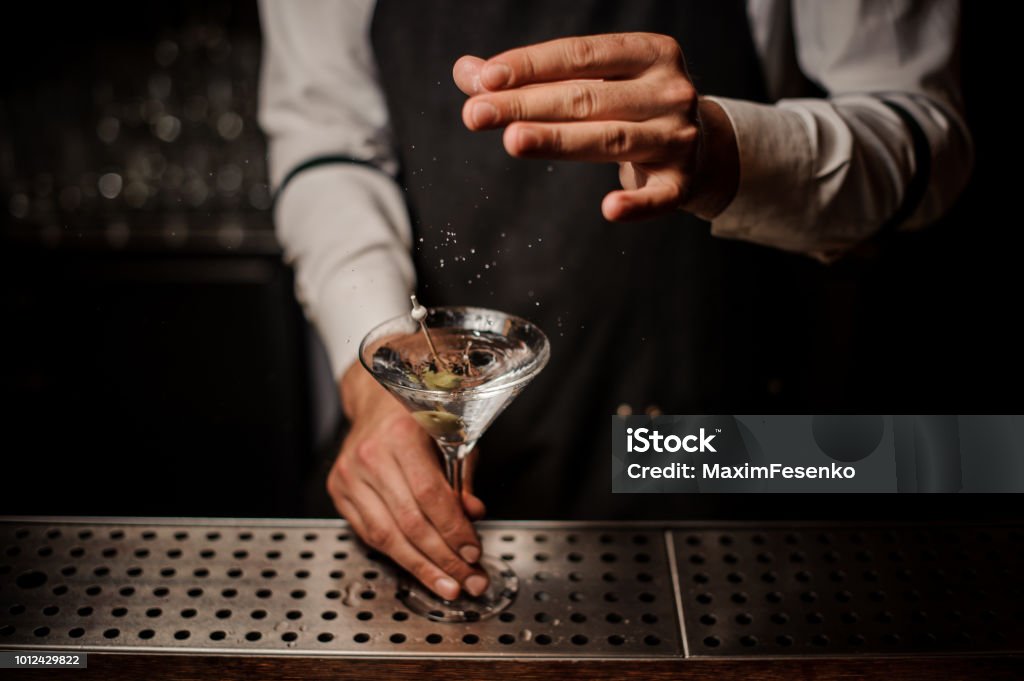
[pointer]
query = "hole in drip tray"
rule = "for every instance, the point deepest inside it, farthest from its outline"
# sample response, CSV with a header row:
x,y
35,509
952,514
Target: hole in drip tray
x,y
579,639
504,639
397,638
361,638
616,640
32,579
147,634
471,639
217,635
253,636
542,639
325,637
289,636
182,634
77,632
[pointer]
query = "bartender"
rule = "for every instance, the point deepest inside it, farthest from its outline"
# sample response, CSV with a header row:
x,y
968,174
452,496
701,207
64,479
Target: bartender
x,y
799,129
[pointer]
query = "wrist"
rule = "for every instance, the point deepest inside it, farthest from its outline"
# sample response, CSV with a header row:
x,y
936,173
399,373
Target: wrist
x,y
359,391
716,178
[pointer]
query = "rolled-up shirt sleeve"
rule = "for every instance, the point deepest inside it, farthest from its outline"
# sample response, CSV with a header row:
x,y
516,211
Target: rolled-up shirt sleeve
x,y
819,176
342,221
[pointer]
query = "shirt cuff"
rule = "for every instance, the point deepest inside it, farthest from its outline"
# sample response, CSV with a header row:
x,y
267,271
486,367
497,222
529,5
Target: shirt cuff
x,y
775,159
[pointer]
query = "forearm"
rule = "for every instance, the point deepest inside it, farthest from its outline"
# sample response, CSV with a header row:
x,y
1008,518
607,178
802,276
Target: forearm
x,y
820,176
345,230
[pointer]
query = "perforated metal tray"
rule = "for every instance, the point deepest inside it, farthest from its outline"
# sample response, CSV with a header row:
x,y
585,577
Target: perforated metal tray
x,y
311,587
851,590
272,587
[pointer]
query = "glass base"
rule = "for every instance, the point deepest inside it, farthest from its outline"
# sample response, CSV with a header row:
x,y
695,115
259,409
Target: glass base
x,y
501,592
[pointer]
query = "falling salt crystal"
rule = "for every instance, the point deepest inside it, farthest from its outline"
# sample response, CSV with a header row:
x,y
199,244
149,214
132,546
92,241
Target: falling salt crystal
x,y
486,266
477,275
537,303
530,293
472,251
421,239
503,235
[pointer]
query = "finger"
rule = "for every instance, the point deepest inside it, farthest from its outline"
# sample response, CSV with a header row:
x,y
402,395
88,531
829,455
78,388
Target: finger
x,y
438,501
656,198
466,74
579,100
600,56
380,532
472,504
390,485
600,141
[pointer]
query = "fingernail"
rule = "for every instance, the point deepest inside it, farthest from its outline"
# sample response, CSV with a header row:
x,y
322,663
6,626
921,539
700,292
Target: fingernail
x,y
484,113
495,76
470,553
447,587
476,584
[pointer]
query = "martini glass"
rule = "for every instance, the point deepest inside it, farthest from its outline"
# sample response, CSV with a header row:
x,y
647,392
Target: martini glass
x,y
455,371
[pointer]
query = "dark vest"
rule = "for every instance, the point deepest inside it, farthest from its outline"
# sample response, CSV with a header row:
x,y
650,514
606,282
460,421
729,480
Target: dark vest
x,y
656,313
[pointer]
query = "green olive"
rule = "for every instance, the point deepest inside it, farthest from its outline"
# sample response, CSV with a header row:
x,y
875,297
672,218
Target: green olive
x,y
441,380
438,423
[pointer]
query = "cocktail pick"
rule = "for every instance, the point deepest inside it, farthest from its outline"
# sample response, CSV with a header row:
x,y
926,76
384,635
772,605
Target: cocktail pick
x,y
419,315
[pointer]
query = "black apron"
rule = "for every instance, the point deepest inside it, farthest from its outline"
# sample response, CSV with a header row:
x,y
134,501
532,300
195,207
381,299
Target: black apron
x,y
656,313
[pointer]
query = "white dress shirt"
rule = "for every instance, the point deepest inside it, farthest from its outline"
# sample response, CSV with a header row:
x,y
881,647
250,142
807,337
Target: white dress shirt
x,y
817,176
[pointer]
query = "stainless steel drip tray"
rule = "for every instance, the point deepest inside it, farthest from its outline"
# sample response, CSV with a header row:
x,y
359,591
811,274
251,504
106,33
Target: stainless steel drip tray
x,y
311,588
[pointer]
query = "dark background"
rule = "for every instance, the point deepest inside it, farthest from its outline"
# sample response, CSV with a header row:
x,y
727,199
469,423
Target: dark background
x,y
153,360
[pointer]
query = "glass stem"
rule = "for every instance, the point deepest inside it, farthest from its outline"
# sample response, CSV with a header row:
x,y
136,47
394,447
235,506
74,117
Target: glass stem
x,y
455,465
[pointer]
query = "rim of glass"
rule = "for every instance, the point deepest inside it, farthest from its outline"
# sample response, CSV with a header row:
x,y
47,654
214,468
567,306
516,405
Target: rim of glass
x,y
540,361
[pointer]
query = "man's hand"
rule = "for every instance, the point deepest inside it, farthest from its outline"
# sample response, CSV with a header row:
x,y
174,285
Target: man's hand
x,y
623,98
388,483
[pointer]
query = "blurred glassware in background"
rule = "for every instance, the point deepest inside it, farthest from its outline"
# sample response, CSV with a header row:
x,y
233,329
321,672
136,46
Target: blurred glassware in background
x,y
158,146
